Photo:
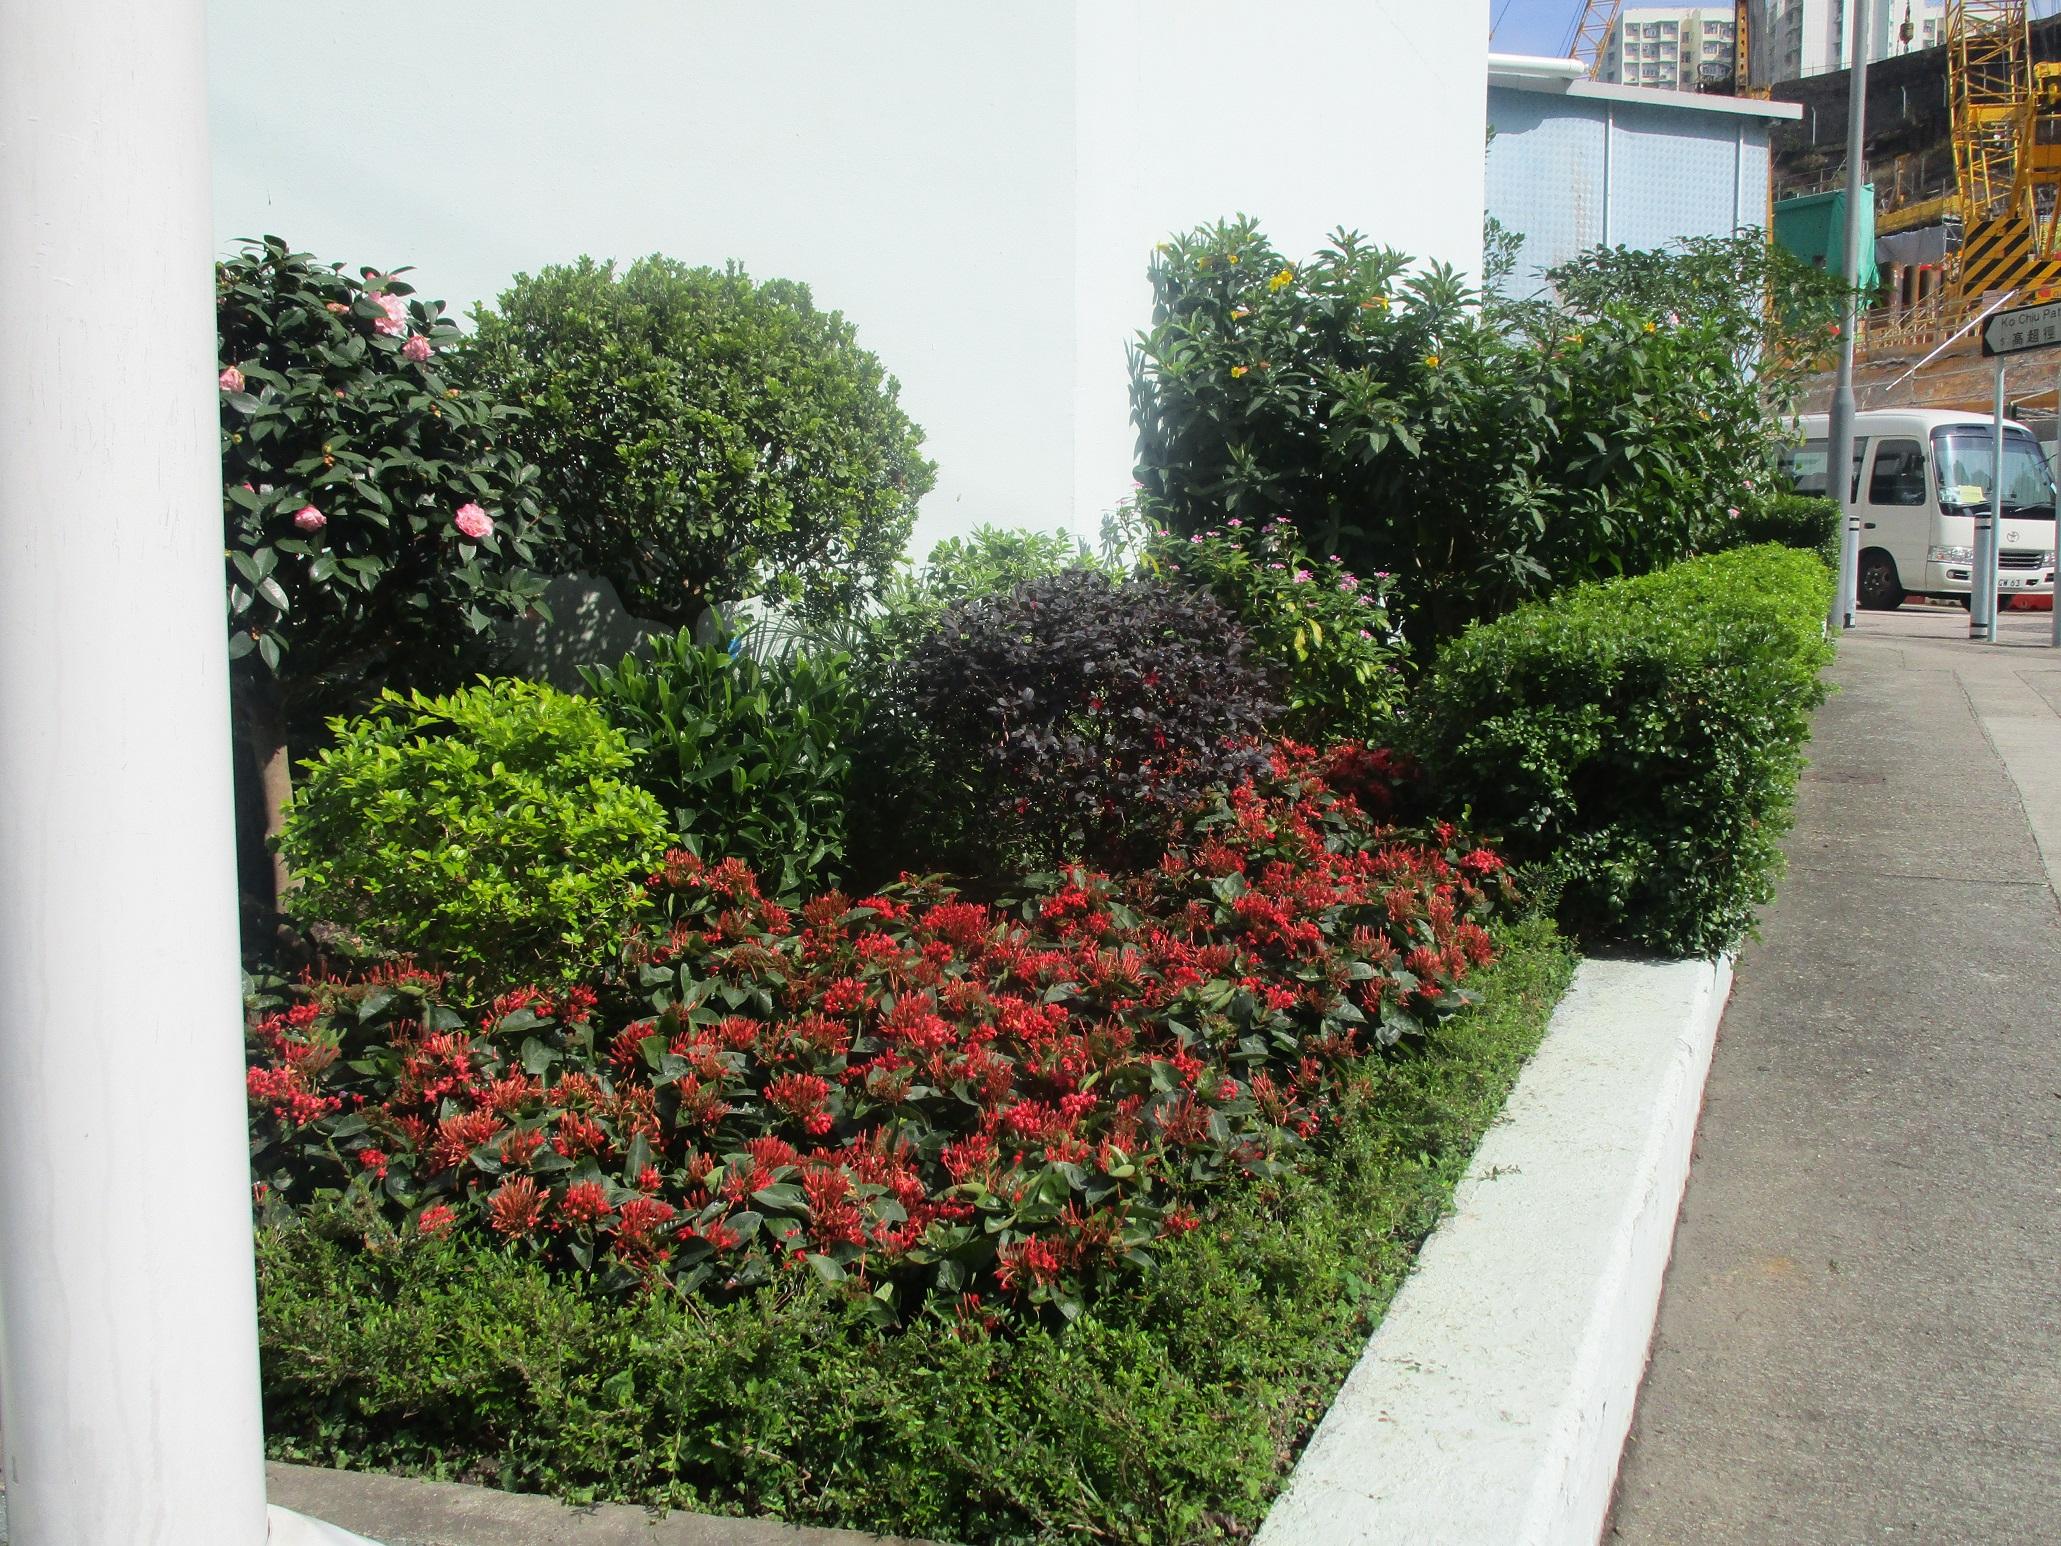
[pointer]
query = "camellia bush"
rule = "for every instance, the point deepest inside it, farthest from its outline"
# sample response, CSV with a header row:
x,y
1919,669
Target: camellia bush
x,y
1481,459
494,832
1077,715
1321,630
375,519
705,439
919,1096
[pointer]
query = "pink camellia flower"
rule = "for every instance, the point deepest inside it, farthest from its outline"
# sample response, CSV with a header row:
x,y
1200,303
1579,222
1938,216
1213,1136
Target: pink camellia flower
x,y
1732,511
308,518
395,322
416,349
474,522
231,380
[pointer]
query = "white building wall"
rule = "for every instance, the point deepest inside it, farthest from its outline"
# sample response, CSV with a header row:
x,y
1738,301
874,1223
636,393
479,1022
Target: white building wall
x,y
1810,37
978,187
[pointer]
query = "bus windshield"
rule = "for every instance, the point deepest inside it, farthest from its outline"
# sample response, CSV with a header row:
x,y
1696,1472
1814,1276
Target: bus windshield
x,y
1966,460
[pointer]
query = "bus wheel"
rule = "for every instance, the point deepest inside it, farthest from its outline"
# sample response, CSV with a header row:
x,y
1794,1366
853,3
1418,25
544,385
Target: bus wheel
x,y
1879,589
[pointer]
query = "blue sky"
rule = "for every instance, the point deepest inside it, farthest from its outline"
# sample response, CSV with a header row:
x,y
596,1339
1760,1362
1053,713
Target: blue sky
x,y
1542,26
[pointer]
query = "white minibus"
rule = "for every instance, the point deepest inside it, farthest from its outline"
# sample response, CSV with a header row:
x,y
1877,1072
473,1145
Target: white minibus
x,y
1919,476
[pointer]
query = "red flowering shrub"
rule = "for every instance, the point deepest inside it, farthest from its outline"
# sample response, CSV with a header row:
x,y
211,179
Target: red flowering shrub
x,y
915,1093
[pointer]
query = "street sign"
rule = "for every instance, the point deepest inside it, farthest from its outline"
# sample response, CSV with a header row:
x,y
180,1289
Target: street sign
x,y
2022,328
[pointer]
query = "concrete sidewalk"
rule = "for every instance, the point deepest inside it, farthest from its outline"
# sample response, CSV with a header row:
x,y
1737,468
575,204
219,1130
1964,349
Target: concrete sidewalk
x,y
1860,1338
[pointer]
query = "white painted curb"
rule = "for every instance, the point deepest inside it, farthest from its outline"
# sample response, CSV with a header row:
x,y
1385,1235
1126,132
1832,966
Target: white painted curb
x,y
1492,1403
286,1528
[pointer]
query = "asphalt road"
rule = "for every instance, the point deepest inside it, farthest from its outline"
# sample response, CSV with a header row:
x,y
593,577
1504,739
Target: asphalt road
x,y
1860,1338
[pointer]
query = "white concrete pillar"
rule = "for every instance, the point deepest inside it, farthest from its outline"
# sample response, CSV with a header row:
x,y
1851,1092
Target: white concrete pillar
x,y
128,1354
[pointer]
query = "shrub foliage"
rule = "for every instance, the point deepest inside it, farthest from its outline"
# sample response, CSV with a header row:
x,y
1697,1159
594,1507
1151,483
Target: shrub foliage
x,y
1483,460
704,438
1793,520
1322,631
493,831
751,757
1641,740
352,466
915,1094
1078,714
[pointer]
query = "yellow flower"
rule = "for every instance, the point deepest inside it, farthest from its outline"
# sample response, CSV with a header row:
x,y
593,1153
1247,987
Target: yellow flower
x,y
1232,258
1239,313
1650,328
1379,303
1239,370
1431,360
1281,280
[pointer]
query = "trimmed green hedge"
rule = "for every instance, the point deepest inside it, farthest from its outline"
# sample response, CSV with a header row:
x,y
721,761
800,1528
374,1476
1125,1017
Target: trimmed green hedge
x,y
1639,740
1794,520
1170,1411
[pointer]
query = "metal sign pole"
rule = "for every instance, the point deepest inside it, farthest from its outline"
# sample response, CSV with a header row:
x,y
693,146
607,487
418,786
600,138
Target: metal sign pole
x,y
1982,593
1839,464
2055,552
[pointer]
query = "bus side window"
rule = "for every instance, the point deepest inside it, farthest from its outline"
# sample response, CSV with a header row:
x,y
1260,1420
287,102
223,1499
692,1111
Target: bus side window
x,y
1899,474
1804,467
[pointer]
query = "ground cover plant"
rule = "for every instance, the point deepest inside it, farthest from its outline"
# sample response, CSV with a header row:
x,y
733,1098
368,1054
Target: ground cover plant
x,y
1169,1411
1639,741
705,438
933,1098
493,830
751,758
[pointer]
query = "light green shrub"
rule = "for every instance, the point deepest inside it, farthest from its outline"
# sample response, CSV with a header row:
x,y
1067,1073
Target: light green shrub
x,y
494,833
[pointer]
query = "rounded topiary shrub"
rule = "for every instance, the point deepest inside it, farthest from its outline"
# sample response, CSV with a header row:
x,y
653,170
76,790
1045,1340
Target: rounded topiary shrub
x,y
492,833
1074,716
705,438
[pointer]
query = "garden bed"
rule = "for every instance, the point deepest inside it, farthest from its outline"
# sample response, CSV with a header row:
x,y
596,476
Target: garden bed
x,y
1171,1410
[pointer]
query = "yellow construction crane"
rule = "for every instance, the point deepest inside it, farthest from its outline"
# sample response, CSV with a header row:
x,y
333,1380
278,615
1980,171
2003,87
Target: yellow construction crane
x,y
2006,175
1592,32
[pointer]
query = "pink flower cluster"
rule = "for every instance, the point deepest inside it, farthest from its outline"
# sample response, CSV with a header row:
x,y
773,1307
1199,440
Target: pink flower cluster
x,y
395,322
474,522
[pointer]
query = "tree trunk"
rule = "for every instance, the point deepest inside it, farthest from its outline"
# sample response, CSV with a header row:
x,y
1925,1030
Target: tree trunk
x,y
261,727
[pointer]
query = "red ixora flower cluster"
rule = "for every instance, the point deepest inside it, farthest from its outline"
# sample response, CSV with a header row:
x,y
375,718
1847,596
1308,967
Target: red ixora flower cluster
x,y
912,1092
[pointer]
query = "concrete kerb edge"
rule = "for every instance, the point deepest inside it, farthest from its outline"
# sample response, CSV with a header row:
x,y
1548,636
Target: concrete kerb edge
x,y
1492,1403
